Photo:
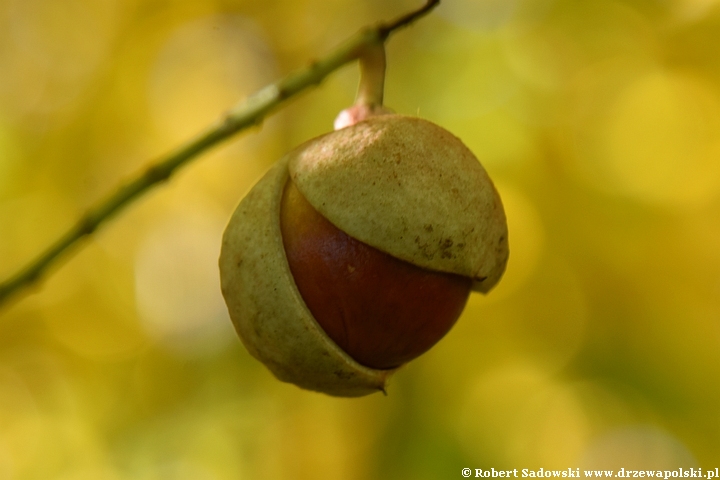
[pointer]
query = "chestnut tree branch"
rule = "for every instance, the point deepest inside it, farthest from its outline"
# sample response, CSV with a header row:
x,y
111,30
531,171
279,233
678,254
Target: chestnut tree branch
x,y
246,114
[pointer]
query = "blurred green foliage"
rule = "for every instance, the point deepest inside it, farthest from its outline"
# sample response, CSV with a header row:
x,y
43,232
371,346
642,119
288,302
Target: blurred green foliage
x,y
599,120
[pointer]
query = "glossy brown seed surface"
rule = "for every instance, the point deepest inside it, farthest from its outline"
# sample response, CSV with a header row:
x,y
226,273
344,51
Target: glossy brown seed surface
x,y
381,311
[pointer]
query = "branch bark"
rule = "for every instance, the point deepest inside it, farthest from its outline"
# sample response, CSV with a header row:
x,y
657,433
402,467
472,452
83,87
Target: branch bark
x,y
248,113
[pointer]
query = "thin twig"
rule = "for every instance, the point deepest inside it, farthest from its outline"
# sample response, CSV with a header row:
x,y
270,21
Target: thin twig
x,y
386,30
251,112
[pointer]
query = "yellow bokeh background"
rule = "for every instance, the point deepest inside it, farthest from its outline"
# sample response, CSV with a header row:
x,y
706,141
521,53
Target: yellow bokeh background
x,y
599,121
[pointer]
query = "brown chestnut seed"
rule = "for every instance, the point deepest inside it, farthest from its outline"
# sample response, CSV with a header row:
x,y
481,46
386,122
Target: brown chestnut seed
x,y
380,310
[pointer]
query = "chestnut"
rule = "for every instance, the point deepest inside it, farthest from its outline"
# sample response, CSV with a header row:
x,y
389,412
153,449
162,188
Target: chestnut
x,y
357,251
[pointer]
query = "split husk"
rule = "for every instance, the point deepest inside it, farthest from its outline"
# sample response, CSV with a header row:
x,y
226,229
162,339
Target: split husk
x,y
400,184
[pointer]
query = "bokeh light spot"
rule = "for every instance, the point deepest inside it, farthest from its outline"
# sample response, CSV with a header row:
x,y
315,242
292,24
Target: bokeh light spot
x,y
693,10
177,284
519,415
204,68
54,49
540,55
663,139
637,447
